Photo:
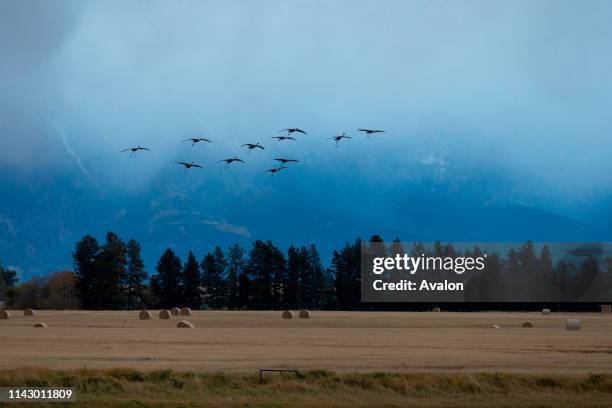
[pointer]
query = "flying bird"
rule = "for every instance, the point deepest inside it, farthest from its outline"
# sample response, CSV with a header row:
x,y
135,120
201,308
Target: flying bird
x,y
133,150
370,132
292,130
275,170
252,146
188,166
339,138
230,161
281,138
285,161
196,140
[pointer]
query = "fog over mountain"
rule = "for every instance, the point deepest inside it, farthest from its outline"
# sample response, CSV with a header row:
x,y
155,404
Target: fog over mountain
x,y
497,120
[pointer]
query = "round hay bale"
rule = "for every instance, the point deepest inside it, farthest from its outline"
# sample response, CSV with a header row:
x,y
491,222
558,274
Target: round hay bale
x,y
545,311
144,315
436,309
185,311
606,309
572,324
527,324
495,326
29,312
184,324
287,314
304,314
41,325
175,311
164,314
4,315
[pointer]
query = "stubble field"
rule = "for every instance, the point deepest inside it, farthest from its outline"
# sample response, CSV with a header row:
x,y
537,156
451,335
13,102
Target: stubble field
x,y
339,341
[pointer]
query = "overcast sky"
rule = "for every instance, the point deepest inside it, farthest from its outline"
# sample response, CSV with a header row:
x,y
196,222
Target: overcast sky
x,y
529,79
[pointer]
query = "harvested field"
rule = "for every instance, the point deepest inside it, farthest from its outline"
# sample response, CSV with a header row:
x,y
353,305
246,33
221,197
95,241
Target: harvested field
x,y
339,341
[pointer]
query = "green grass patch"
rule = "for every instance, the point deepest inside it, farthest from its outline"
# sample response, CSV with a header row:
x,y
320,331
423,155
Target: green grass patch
x,y
316,388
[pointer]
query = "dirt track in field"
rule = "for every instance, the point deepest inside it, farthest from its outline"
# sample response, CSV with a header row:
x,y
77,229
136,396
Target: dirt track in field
x,y
341,341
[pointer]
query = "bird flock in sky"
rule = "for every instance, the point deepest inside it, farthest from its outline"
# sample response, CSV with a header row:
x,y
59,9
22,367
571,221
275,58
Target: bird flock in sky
x,y
282,162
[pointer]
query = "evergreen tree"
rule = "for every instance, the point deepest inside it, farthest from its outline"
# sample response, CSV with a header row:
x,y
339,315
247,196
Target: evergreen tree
x,y
396,248
2,286
84,257
278,267
376,247
450,251
220,284
545,275
305,279
587,275
109,274
376,238
512,274
8,279
165,284
209,272
291,298
438,249
266,268
136,275
260,277
319,281
9,276
213,280
489,284
546,263
235,258
608,277
346,267
526,278
156,291
244,290
191,283
563,280
418,249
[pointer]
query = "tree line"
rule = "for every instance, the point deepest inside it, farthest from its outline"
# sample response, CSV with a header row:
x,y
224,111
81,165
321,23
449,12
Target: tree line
x,y
523,275
8,280
111,276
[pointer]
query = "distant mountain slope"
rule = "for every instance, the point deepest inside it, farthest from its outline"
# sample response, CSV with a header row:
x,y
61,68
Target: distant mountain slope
x,y
40,220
